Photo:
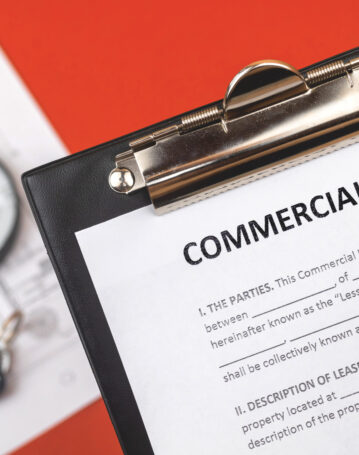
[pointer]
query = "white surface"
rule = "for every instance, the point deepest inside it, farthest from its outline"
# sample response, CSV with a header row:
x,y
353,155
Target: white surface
x,y
151,297
51,377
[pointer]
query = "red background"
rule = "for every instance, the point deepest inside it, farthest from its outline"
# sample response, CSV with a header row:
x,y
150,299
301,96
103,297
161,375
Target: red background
x,y
103,68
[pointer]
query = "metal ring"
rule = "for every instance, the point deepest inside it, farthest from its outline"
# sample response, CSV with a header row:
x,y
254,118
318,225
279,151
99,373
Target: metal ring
x,y
10,326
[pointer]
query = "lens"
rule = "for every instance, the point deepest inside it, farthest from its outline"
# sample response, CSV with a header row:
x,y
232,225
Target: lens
x,y
9,211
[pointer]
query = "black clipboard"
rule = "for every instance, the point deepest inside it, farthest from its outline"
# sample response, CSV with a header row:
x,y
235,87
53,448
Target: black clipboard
x,y
67,196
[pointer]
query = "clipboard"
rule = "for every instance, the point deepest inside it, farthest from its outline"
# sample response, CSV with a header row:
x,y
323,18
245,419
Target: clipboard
x,y
72,194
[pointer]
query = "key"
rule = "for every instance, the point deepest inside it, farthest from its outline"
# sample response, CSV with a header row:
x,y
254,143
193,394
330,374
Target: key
x,y
8,331
5,364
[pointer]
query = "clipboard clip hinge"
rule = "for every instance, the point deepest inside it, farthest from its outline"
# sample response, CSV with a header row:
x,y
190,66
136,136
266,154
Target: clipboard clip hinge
x,y
188,123
163,159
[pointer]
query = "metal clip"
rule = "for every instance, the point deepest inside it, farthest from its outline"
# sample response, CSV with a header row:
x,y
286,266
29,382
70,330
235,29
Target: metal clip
x,y
272,117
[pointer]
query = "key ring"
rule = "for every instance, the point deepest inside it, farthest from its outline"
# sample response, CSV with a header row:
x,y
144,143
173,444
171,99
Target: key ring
x,y
10,327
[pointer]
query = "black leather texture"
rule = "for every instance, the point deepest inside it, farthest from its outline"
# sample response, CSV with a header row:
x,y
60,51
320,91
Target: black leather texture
x,y
67,196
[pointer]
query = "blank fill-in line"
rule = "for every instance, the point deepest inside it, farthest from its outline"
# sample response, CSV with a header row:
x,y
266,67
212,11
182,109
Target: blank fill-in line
x,y
350,395
252,355
325,328
294,301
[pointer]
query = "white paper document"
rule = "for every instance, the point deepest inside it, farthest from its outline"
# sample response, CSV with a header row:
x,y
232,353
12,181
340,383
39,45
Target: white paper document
x,y
237,318
50,378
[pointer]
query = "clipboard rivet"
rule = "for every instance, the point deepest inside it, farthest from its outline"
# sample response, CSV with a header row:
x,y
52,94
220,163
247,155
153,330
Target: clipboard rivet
x,y
121,180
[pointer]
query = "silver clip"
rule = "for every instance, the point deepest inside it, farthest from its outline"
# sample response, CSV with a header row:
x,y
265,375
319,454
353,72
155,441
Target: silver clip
x,y
272,117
